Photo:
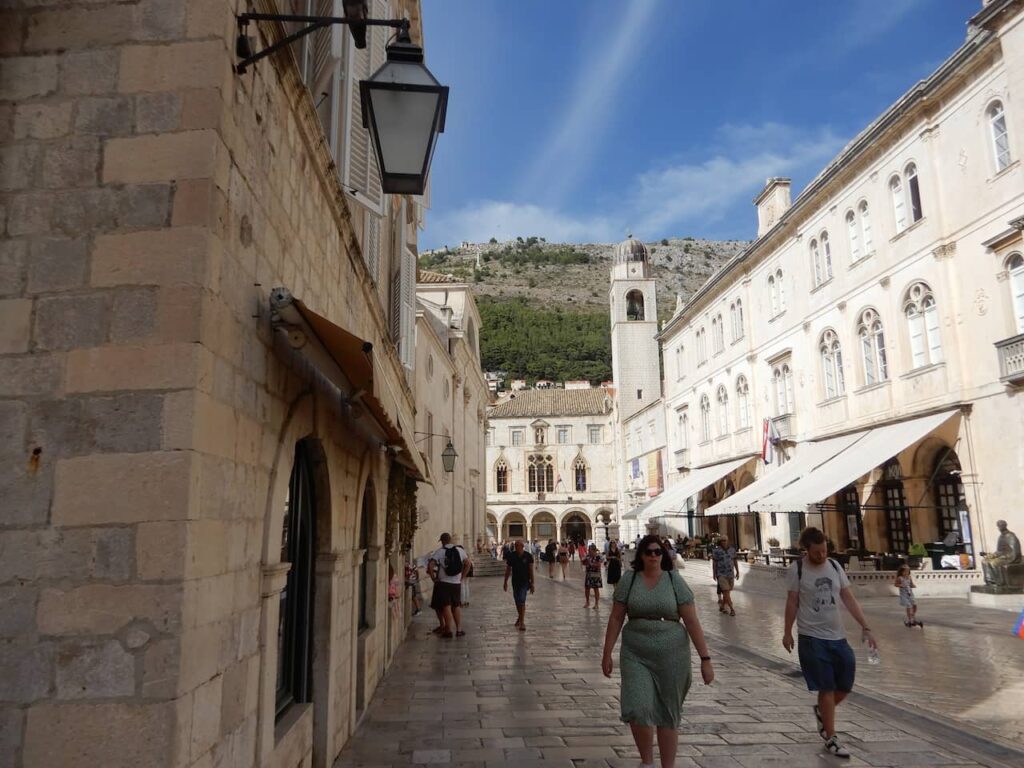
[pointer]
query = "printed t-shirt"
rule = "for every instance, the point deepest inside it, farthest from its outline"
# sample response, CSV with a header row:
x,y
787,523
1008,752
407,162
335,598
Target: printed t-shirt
x,y
818,615
520,568
724,561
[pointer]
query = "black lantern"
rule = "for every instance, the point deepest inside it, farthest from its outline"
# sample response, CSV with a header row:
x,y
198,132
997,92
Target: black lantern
x,y
448,456
404,109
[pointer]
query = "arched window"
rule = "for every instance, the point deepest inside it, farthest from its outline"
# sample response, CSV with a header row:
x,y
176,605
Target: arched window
x,y
579,471
853,236
635,305
775,295
899,208
737,320
501,476
826,255
780,289
1000,136
816,266
949,492
540,473
872,347
295,615
865,229
922,325
913,192
784,400
684,431
832,364
1015,266
718,331
705,418
723,411
742,402
702,350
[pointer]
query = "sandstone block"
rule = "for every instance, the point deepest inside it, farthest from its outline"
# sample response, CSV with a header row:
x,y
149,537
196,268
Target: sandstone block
x,y
179,313
161,157
94,670
201,649
130,423
113,369
30,213
193,203
161,550
204,18
42,121
32,375
106,609
174,256
207,548
13,262
133,314
26,492
11,725
71,163
235,701
19,166
157,112
17,611
179,66
89,72
27,77
15,319
80,553
114,735
77,28
161,665
202,108
13,426
110,116
12,32
144,206
206,706
123,488
28,670
67,322
159,20
57,264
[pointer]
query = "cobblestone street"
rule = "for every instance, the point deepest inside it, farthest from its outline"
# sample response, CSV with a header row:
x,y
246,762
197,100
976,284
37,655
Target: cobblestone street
x,y
501,697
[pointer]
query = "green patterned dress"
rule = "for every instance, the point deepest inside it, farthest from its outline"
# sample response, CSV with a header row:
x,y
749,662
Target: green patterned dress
x,y
654,659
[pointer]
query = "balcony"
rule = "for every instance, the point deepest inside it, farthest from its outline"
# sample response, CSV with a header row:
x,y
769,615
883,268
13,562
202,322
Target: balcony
x,y
1011,359
785,426
682,458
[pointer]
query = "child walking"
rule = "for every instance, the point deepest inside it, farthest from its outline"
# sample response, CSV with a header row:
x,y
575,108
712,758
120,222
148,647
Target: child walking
x,y
905,584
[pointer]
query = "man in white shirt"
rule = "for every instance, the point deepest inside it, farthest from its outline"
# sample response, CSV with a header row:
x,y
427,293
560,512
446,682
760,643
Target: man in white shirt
x,y
816,585
446,568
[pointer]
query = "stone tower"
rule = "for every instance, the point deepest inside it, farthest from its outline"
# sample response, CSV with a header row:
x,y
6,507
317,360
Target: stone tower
x,y
634,312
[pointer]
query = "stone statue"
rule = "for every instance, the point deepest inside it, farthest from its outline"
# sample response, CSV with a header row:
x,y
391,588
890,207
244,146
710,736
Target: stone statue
x,y
1004,567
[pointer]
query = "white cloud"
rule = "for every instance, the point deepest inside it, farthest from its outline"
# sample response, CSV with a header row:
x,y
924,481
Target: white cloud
x,y
679,198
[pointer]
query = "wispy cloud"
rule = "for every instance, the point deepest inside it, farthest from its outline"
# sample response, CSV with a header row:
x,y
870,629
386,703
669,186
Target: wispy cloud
x,y
682,197
600,75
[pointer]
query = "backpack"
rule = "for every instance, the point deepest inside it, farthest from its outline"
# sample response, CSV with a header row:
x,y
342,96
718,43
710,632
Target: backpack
x,y
800,568
452,561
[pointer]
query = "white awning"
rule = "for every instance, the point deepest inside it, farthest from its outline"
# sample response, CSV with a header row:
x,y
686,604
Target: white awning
x,y
808,456
675,497
876,447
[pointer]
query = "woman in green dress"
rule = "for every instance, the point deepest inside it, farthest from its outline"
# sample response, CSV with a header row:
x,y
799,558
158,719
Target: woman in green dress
x,y
655,653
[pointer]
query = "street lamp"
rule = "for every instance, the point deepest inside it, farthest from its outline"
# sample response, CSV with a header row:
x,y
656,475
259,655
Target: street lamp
x,y
404,109
448,456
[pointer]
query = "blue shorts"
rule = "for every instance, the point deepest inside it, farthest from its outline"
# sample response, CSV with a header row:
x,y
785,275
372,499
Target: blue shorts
x,y
519,593
828,665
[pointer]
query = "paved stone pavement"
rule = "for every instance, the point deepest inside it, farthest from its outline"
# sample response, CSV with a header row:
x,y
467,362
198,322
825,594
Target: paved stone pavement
x,y
499,697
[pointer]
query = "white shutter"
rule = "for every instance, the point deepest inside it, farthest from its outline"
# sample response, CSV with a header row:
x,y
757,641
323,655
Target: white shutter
x,y
931,322
1017,287
837,354
865,228
408,308
371,245
851,229
830,381
915,324
868,353
898,206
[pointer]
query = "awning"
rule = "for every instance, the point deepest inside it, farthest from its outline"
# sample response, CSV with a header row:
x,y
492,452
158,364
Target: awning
x,y
346,361
877,446
675,497
808,456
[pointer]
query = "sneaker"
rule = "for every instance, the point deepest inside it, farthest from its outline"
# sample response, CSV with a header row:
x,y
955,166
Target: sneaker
x,y
833,747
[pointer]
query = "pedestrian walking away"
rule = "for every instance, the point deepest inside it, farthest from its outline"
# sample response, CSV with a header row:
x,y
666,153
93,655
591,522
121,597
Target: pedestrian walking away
x,y
816,584
446,569
726,570
592,576
614,563
654,659
551,553
905,584
563,559
412,580
519,565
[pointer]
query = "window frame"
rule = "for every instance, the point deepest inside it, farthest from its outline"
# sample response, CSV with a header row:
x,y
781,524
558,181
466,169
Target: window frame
x,y
993,119
1015,271
540,473
874,359
831,354
743,420
705,417
920,312
722,396
501,476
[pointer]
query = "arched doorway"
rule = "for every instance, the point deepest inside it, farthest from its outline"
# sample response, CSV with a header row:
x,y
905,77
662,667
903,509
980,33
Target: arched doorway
x,y
366,597
948,490
492,528
513,526
576,527
543,527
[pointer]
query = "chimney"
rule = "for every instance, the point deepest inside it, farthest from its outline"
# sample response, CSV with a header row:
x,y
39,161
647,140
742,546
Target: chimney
x,y
772,203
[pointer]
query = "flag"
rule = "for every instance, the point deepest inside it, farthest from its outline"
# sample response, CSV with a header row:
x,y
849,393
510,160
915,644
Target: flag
x,y
769,437
1019,629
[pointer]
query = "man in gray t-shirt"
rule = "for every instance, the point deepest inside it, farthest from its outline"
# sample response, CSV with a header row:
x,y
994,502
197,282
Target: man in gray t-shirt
x,y
816,585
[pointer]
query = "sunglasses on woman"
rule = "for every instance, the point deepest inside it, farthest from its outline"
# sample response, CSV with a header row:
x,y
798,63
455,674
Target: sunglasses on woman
x,y
653,552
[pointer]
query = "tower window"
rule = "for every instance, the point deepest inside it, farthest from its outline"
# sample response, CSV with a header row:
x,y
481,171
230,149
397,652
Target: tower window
x,y
634,305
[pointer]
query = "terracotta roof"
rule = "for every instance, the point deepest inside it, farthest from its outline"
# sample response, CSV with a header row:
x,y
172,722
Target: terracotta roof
x,y
426,276
531,403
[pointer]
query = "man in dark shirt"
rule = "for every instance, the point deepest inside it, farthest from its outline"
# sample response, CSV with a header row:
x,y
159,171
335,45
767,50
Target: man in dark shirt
x,y
519,565
551,550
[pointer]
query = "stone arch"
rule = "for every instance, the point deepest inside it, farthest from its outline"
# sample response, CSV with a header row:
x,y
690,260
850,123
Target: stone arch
x,y
635,304
543,525
513,525
576,524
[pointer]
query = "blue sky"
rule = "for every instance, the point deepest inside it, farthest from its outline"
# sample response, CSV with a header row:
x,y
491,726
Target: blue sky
x,y
578,120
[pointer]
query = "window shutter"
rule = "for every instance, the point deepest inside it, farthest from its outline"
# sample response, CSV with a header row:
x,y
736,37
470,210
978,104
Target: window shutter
x,y
915,324
867,351
830,380
931,322
395,307
362,176
899,210
371,245
408,308
865,229
840,376
1017,286
851,228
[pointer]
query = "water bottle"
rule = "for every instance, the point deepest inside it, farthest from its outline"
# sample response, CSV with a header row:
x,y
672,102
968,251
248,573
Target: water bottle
x,y
873,655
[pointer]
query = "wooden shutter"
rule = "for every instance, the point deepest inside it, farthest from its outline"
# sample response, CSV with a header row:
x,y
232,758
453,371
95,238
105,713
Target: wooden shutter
x,y
371,245
362,176
408,307
395,307
931,323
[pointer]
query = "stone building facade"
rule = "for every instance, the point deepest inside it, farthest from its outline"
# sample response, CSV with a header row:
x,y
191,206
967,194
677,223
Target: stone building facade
x,y
551,464
451,403
875,327
207,479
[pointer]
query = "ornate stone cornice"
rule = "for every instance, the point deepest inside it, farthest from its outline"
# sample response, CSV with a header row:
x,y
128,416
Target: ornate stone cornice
x,y
944,251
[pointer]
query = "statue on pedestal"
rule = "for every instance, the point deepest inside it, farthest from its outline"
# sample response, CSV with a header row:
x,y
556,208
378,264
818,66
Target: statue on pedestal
x,y
1004,567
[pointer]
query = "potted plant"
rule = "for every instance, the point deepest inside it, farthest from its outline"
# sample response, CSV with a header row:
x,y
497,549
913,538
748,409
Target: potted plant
x,y
772,541
915,555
